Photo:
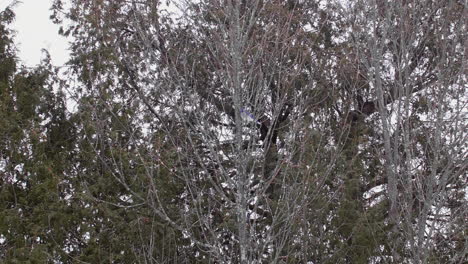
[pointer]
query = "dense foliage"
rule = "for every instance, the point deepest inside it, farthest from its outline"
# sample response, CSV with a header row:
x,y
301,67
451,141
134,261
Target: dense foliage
x,y
260,131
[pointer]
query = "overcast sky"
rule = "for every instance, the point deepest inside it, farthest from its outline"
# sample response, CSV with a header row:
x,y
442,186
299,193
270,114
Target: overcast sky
x,y
36,31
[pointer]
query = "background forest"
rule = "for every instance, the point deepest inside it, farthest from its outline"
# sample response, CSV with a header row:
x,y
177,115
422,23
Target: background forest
x,y
233,131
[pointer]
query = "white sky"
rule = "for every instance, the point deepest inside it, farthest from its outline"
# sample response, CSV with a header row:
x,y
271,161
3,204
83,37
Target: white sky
x,y
36,31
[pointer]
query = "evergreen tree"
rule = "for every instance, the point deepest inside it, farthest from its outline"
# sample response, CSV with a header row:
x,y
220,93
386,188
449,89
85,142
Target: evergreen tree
x,y
36,145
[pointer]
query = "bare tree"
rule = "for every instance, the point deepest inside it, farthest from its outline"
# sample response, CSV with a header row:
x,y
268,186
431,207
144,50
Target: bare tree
x,y
236,85
414,55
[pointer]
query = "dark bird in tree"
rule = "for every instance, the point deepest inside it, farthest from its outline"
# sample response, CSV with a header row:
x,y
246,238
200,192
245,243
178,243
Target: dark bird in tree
x,y
271,130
